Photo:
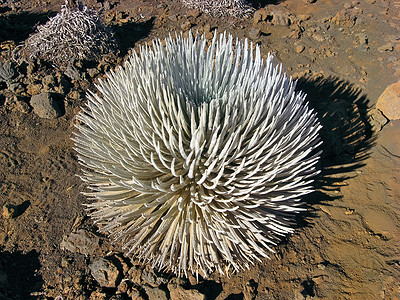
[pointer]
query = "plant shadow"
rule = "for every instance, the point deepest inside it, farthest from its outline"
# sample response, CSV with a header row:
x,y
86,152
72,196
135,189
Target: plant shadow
x,y
18,275
262,3
346,134
131,32
18,27
210,288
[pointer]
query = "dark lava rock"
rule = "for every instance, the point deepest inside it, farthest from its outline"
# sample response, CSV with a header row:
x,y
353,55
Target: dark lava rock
x,y
105,273
177,291
149,277
156,293
80,241
45,106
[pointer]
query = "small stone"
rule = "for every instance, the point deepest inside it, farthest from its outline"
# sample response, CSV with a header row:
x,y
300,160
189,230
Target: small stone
x,y
105,273
45,106
123,286
120,16
49,80
65,262
22,106
389,102
362,38
96,295
156,293
173,18
318,280
255,33
326,26
72,73
386,47
121,261
180,293
296,33
193,13
177,292
149,277
260,15
192,279
318,37
345,17
304,17
92,72
134,275
186,26
187,294
300,48
17,103
107,5
207,31
117,297
250,290
34,89
347,5
134,294
257,17
280,18
330,53
31,68
80,241
10,211
75,95
63,86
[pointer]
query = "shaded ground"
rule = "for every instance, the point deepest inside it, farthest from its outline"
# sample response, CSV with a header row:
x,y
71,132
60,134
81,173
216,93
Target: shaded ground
x,y
346,247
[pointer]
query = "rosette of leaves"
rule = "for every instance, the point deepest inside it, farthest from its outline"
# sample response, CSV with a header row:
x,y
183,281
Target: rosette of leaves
x,y
218,8
74,34
197,157
7,72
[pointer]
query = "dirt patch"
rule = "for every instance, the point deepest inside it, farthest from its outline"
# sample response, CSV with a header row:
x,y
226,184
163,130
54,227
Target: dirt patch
x,y
344,55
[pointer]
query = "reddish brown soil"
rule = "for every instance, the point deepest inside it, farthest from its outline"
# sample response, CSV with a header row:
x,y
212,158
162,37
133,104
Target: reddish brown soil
x,y
347,244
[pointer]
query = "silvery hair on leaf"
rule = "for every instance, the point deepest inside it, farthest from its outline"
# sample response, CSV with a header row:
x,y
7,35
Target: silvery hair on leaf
x,y
197,156
217,8
74,34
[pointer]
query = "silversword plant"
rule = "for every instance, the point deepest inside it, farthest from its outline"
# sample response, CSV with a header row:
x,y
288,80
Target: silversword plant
x,y
197,157
74,34
7,71
217,8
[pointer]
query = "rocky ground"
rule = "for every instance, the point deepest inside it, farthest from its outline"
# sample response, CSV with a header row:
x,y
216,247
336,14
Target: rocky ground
x,y
344,53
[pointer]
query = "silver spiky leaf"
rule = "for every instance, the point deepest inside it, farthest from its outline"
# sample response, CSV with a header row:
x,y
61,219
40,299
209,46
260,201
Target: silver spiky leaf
x,y
197,157
75,33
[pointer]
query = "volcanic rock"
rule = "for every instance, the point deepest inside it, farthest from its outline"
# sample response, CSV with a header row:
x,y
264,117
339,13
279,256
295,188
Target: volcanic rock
x,y
105,273
45,106
389,102
80,241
